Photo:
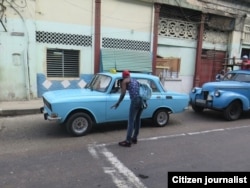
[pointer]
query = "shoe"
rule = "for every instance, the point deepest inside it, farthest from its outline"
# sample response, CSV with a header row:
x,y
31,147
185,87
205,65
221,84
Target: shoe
x,y
124,144
134,140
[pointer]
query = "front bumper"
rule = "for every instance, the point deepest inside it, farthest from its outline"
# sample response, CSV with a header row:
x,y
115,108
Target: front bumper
x,y
52,117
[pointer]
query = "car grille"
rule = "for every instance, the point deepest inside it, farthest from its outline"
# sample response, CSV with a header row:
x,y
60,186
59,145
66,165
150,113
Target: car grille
x,y
47,104
205,94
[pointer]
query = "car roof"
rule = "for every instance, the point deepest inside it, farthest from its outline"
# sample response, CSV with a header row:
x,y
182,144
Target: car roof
x,y
240,71
132,74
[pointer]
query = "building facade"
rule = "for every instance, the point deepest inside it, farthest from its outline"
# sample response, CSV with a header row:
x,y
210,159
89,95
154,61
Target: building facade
x,y
47,45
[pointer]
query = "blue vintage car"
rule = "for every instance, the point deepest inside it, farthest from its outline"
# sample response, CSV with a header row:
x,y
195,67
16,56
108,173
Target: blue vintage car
x,y
231,95
79,109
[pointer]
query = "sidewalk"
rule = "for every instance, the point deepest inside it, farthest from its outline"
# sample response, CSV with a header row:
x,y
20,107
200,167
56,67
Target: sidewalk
x,y
13,108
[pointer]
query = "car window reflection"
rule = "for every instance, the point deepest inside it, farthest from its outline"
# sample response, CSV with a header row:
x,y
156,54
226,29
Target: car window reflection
x,y
237,77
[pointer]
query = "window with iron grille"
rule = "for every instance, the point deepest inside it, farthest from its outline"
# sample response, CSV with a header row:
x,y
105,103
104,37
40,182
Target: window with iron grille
x,y
62,63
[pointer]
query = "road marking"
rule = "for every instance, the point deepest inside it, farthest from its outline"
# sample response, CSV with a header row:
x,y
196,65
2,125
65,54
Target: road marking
x,y
207,131
120,174
217,130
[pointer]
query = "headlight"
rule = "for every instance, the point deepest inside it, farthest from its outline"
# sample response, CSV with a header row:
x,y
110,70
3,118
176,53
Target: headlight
x,y
193,90
217,93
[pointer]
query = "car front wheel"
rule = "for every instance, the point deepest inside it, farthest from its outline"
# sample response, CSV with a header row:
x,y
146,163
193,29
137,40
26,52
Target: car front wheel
x,y
233,111
161,118
197,109
79,124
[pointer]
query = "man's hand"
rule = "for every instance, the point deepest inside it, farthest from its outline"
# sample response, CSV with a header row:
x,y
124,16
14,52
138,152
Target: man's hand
x,y
115,105
123,92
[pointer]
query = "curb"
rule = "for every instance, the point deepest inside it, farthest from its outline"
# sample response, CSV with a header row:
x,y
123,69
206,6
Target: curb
x,y
19,112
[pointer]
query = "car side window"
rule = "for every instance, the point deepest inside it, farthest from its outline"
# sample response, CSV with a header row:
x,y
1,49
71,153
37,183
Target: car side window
x,y
150,83
228,76
243,78
154,87
247,78
116,88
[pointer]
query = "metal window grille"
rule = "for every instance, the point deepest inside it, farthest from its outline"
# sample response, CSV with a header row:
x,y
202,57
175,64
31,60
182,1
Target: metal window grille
x,y
62,63
125,44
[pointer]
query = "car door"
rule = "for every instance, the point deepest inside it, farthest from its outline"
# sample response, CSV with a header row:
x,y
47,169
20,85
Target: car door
x,y
155,101
120,113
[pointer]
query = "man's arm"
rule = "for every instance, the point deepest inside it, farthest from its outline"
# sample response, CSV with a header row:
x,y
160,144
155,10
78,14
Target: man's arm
x,y
123,93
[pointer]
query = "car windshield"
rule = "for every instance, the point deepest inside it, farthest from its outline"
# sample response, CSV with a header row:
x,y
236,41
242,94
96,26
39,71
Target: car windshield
x,y
99,83
240,77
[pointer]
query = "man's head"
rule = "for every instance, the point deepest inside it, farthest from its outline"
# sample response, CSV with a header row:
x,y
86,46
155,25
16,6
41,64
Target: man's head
x,y
125,74
245,57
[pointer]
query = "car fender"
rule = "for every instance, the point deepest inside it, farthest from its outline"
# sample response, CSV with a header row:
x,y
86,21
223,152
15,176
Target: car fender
x,y
226,97
195,91
80,109
167,108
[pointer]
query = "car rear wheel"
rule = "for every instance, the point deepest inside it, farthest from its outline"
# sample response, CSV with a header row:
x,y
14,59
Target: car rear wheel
x,y
233,111
79,124
161,118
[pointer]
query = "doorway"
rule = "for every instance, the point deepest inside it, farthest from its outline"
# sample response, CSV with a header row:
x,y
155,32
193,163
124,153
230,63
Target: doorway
x,y
211,63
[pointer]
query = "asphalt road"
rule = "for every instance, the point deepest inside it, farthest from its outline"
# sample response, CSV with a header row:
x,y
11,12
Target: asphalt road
x,y
38,153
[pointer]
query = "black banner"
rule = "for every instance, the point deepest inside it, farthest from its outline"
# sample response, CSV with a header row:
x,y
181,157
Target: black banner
x,y
208,179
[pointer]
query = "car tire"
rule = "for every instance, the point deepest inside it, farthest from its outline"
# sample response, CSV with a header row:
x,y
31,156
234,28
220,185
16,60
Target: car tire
x,y
161,118
198,109
233,111
79,124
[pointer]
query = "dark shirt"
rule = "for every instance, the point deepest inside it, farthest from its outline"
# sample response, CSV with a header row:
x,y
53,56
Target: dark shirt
x,y
133,88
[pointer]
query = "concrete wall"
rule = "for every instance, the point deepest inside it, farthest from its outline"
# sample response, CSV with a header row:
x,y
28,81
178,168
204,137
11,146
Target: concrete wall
x,y
118,21
16,51
186,51
22,58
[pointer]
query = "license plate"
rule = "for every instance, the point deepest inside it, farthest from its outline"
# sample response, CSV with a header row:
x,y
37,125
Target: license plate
x,y
201,101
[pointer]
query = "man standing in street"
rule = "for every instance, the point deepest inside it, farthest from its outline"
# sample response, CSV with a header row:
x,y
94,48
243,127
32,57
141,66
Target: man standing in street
x,y
135,109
